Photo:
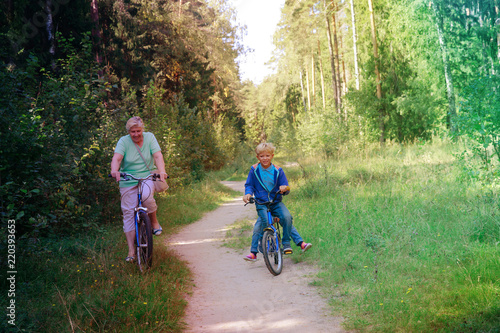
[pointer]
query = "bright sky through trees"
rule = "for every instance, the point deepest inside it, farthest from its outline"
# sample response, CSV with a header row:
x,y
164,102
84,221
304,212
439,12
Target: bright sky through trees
x,y
261,18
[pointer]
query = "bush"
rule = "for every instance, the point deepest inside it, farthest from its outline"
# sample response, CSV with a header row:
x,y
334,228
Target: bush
x,y
478,122
55,144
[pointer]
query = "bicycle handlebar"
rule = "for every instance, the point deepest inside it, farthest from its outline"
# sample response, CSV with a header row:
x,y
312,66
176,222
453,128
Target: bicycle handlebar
x,y
254,200
127,176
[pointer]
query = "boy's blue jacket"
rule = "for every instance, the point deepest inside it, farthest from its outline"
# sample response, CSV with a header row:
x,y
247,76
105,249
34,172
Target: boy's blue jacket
x,y
254,186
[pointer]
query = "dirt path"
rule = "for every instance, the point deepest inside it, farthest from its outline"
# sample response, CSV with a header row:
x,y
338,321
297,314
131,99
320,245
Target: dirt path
x,y
232,295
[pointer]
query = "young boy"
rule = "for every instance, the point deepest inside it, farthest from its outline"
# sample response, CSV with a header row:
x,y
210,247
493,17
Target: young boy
x,y
264,181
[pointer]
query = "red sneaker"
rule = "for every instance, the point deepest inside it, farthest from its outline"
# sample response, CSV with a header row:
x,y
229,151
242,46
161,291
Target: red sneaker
x,y
305,246
250,257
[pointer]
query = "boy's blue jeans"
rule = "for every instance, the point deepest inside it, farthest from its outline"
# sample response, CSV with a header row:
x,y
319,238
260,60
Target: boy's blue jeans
x,y
289,232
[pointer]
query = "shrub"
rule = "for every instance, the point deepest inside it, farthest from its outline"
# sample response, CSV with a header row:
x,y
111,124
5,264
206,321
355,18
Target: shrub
x,y
55,144
478,122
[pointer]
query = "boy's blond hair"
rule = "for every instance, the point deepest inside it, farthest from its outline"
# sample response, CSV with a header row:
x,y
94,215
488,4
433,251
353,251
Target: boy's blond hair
x,y
265,146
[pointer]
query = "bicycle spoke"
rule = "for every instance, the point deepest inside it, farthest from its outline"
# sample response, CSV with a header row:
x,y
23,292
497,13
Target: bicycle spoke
x,y
272,254
145,246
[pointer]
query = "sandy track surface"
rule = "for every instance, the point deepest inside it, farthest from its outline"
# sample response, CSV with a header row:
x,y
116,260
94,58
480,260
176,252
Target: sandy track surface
x,y
233,295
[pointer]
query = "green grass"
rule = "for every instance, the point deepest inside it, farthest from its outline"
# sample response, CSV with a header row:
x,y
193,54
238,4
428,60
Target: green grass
x,y
239,235
82,283
402,243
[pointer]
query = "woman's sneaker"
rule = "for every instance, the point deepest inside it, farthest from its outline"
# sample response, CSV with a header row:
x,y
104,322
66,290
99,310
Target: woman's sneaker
x,y
157,232
305,246
250,257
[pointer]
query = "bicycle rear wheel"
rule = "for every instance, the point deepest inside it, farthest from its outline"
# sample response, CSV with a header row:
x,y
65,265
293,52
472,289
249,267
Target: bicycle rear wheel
x,y
272,252
145,246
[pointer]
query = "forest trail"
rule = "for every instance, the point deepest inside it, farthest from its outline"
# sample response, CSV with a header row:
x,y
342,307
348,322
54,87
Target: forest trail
x,y
233,295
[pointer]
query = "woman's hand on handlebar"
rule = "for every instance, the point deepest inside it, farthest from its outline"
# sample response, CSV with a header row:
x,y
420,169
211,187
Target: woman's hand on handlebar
x,y
163,176
246,198
116,175
160,176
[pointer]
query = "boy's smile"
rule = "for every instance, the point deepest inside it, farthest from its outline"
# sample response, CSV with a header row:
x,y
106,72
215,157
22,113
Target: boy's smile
x,y
265,159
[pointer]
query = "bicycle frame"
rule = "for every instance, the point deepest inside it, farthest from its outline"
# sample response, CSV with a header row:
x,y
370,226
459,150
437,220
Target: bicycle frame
x,y
137,210
270,225
270,222
143,233
272,248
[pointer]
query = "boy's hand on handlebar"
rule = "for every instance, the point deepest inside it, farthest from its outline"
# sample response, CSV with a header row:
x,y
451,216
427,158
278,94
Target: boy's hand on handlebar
x,y
246,198
284,188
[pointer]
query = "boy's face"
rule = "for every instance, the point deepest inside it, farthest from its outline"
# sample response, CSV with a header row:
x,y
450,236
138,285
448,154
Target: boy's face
x,y
265,158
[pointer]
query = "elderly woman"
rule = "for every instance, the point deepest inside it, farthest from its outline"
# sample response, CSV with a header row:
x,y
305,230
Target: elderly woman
x,y
128,159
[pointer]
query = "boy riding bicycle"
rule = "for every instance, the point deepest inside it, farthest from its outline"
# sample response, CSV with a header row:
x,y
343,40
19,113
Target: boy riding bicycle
x,y
265,181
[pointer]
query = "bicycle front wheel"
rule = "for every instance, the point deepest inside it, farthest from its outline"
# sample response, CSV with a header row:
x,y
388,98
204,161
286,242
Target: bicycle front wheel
x,y
272,252
145,246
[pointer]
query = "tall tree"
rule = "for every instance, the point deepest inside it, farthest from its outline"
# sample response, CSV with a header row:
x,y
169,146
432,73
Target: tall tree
x,y
336,50
450,89
354,44
322,75
377,72
313,79
308,91
302,90
335,87
96,33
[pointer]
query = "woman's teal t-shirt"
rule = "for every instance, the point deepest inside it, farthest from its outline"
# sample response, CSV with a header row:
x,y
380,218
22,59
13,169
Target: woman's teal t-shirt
x,y
132,162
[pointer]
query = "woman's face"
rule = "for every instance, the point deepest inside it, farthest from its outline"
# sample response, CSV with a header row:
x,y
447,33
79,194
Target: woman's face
x,y
136,134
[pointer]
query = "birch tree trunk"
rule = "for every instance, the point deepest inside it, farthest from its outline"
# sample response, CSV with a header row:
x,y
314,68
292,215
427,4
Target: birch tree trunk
x,y
377,73
313,79
344,74
308,91
322,76
355,45
302,89
447,71
332,60
497,26
50,28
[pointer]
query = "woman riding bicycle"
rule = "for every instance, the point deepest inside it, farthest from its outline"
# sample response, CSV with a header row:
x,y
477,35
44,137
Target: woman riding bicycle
x,y
135,153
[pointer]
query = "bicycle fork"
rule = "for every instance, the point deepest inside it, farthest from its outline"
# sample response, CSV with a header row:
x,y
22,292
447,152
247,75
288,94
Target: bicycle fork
x,y
270,226
137,238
